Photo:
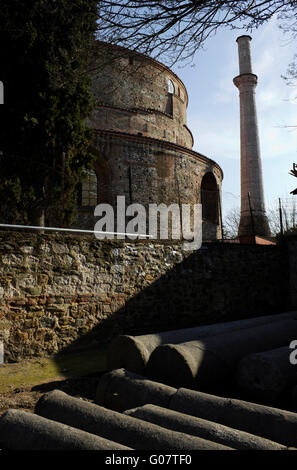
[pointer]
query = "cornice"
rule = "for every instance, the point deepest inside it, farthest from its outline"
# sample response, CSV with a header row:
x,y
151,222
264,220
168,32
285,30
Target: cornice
x,y
245,79
163,143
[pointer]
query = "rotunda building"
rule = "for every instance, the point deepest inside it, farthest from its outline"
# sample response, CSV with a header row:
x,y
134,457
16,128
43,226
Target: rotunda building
x,y
143,143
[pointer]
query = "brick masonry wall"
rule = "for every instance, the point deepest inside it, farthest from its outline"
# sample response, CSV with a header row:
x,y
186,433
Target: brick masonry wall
x,y
148,172
158,125
133,96
61,292
141,136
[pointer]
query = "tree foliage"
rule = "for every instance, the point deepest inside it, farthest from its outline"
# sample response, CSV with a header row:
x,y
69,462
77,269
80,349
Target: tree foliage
x,y
45,50
180,27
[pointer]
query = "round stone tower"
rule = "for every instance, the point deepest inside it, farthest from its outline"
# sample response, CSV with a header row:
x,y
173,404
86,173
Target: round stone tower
x,y
143,143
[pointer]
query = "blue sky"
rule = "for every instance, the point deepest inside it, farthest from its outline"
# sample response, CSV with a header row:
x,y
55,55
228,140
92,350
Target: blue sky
x,y
213,111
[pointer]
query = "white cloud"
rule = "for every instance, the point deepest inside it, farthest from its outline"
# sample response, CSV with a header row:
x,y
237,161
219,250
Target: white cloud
x,y
264,63
267,98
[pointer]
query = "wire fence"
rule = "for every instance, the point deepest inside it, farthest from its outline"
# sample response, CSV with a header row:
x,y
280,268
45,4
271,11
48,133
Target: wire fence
x,y
281,214
283,219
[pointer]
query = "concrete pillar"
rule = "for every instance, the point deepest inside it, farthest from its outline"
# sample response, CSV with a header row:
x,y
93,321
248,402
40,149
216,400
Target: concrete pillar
x,y
1,93
250,158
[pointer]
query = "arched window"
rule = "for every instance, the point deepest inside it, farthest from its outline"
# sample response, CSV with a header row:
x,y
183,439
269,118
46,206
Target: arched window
x,y
210,198
169,100
89,192
171,87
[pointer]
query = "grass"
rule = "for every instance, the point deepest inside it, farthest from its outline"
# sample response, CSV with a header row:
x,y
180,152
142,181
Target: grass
x,y
31,372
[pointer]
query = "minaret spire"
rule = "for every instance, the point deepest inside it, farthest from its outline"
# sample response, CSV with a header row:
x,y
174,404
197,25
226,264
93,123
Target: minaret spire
x,y
253,218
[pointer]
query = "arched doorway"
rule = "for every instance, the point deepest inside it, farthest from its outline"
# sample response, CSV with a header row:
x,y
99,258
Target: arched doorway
x,y
210,198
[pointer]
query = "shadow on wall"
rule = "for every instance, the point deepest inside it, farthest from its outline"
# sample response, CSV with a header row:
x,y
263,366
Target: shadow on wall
x,y
214,284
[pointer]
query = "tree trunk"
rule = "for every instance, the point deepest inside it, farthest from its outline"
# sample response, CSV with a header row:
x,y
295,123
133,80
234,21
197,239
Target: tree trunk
x,y
37,218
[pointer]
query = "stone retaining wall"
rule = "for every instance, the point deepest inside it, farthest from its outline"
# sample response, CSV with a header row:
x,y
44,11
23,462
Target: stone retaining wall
x,y
58,292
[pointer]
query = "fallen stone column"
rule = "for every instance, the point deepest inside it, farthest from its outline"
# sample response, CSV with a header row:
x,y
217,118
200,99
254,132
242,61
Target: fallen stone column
x,y
26,431
265,376
133,352
116,426
202,428
121,389
271,423
212,362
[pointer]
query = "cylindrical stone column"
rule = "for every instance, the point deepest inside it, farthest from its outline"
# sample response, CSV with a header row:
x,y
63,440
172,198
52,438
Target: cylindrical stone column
x,y
203,428
210,364
270,423
133,352
266,376
20,430
96,420
253,219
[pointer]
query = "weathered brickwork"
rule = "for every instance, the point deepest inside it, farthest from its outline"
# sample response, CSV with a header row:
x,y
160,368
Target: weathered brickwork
x,y
141,133
149,171
134,97
58,292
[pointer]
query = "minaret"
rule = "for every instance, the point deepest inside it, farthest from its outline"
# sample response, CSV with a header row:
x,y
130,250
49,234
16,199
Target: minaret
x,y
253,219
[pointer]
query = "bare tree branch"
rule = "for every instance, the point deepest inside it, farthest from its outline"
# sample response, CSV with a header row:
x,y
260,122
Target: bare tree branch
x,y
176,29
